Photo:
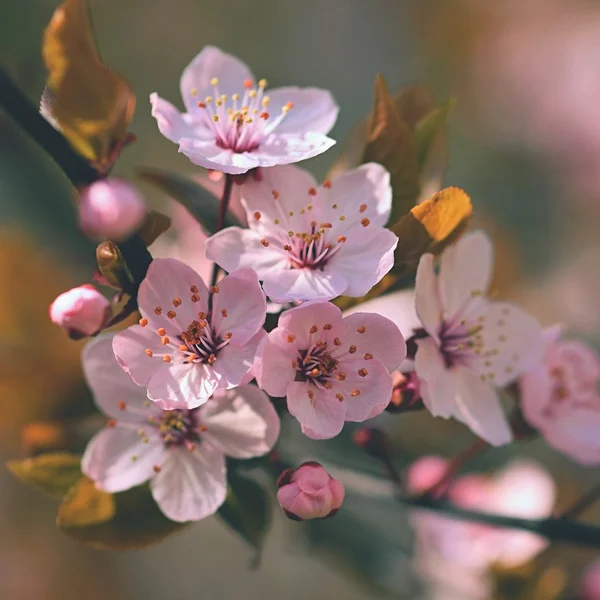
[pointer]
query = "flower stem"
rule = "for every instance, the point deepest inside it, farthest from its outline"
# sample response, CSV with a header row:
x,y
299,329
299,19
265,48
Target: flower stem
x,y
223,208
583,503
74,166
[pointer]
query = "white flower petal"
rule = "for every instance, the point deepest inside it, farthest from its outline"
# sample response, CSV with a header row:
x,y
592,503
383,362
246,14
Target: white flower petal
x,y
234,362
170,121
208,154
305,284
190,485
427,297
273,367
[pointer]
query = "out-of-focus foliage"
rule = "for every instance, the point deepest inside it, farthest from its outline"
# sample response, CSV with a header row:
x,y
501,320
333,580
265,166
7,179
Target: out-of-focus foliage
x,y
92,104
84,506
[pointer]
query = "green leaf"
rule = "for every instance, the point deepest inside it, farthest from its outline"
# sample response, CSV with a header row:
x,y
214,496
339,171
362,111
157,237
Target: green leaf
x,y
54,473
85,505
429,128
201,204
246,510
92,104
391,143
136,523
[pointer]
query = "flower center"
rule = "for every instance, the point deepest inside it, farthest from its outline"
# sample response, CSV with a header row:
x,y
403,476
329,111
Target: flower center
x,y
316,364
240,122
178,427
200,343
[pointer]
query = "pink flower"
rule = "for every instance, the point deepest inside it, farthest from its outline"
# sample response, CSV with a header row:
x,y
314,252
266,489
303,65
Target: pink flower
x,y
231,125
590,582
81,311
309,492
309,242
191,342
470,345
331,369
181,451
560,398
111,208
522,489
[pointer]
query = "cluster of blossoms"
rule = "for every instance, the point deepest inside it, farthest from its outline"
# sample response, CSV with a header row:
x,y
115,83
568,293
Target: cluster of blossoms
x,y
187,386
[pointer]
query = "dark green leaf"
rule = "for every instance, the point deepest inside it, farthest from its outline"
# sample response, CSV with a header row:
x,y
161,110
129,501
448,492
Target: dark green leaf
x,y
54,473
201,204
247,510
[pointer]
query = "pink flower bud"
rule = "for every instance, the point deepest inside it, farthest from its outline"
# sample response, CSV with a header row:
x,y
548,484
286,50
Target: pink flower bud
x,y
309,492
111,208
81,311
590,582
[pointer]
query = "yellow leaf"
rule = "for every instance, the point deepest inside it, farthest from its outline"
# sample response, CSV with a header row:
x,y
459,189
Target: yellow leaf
x,y
156,224
391,143
430,227
93,104
54,473
85,505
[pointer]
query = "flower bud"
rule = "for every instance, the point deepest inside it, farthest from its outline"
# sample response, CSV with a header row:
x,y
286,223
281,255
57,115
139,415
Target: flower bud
x,y
590,582
81,311
309,492
111,208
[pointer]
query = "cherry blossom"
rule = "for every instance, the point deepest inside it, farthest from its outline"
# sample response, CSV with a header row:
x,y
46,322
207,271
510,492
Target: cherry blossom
x,y
521,489
191,341
181,451
309,492
469,345
111,208
81,311
589,587
309,241
232,125
331,369
560,397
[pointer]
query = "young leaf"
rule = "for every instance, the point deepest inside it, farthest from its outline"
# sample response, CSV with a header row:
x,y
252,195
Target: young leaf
x,y
201,204
430,227
54,473
155,225
92,104
391,143
247,510
429,128
85,505
136,523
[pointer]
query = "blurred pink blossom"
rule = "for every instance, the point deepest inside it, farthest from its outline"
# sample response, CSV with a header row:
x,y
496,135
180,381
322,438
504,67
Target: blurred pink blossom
x,y
330,369
590,582
560,398
181,451
231,125
521,489
309,492
111,208
471,345
82,311
181,351
310,242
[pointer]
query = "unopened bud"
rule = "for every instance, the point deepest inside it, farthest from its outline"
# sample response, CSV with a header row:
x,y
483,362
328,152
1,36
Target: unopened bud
x,y
590,583
112,266
309,492
81,312
111,208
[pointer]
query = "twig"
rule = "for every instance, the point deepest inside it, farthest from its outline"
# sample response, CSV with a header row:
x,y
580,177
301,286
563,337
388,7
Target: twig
x,y
223,208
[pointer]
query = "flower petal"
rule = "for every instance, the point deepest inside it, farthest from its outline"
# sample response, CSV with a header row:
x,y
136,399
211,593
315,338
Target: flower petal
x,y
300,320
109,384
189,384
313,109
479,408
321,417
167,280
244,305
118,458
465,271
273,365
512,343
211,63
170,121
365,396
286,148
207,154
234,362
304,284
191,485
129,349
427,296
364,259
241,423
380,337
360,193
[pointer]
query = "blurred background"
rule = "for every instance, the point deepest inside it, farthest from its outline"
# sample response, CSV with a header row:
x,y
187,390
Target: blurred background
x,y
524,143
